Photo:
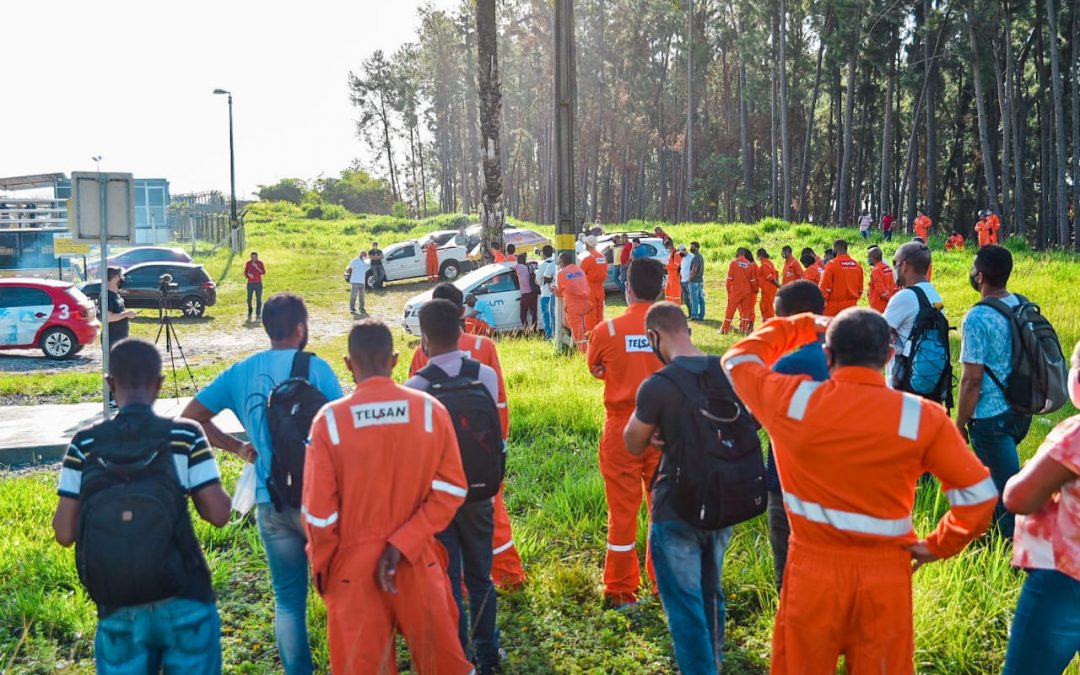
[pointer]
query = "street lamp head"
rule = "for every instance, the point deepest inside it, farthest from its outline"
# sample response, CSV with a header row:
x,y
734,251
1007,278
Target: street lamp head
x,y
221,91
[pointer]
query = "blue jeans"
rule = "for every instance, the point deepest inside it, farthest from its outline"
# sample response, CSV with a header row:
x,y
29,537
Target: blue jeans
x,y
468,545
697,299
887,235
689,564
176,635
685,288
1045,633
546,315
994,440
284,540
620,277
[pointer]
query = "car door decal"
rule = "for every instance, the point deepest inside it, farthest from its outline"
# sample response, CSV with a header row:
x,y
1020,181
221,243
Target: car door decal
x,y
29,322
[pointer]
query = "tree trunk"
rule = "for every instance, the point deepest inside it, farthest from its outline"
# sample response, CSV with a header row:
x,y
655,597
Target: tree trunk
x,y
885,205
980,106
489,88
1019,217
690,104
1074,79
744,140
1060,211
843,206
932,209
785,140
804,172
773,164
1005,110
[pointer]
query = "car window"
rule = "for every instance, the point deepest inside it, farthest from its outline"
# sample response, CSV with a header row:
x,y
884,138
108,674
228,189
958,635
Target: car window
x,y
14,296
403,252
196,275
144,277
500,283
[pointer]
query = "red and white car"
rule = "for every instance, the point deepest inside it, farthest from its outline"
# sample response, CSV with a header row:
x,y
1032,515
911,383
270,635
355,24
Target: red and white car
x,y
51,315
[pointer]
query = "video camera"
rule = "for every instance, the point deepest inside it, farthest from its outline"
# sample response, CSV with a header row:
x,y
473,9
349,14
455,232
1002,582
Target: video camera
x,y
166,284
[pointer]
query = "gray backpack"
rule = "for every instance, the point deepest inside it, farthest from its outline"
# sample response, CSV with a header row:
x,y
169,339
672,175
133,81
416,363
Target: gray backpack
x,y
1038,383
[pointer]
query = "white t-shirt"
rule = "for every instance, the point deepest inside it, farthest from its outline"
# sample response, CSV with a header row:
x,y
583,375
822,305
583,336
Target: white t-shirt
x,y
579,247
546,268
359,267
865,222
684,267
900,315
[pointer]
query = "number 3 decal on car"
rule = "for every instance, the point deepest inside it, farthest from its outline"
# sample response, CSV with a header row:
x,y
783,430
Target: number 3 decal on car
x,y
65,314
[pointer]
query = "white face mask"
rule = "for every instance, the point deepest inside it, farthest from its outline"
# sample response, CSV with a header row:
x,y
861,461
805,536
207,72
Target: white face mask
x,y
896,275
1074,386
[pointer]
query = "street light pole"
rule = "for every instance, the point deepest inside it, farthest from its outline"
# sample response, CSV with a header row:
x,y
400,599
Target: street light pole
x,y
232,161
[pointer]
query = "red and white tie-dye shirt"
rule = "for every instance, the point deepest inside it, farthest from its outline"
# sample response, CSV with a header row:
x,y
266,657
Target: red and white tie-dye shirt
x,y
1049,539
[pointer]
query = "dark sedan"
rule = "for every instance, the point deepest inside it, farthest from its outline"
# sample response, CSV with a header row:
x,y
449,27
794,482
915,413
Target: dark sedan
x,y
193,292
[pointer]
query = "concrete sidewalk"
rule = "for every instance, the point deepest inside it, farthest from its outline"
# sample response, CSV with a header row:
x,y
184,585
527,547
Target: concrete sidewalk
x,y
40,433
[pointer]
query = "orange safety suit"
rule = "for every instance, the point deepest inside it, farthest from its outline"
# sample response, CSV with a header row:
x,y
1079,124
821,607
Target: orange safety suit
x,y
497,255
742,288
767,279
506,569
848,480
431,260
922,227
595,267
995,228
572,286
620,355
982,230
383,467
673,286
793,270
841,284
814,273
955,243
882,286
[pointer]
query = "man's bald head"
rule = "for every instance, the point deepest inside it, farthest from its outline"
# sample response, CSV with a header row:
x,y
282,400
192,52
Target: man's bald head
x,y
858,336
840,246
875,254
914,254
667,319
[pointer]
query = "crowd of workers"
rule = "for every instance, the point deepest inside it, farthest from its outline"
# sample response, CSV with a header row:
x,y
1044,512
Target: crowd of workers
x,y
388,533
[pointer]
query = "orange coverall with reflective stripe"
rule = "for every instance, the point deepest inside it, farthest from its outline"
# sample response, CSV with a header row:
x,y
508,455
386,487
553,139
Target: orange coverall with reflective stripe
x,y
882,286
431,260
619,347
572,286
673,287
922,227
506,570
841,284
742,288
793,270
595,267
383,466
848,478
767,279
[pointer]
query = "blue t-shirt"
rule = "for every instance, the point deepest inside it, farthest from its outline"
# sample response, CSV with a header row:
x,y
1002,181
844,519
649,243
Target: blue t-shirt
x,y
986,340
244,389
485,312
641,251
807,360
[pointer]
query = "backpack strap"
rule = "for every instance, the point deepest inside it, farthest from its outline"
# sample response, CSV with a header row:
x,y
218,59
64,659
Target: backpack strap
x,y
685,378
920,295
301,365
434,374
998,305
470,368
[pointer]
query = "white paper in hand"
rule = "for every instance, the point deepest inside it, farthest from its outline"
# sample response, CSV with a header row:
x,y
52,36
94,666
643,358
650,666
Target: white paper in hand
x,y
244,494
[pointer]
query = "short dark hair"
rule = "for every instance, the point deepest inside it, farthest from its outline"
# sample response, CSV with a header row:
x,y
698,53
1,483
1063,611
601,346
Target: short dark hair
x,y
566,258
370,343
995,263
799,297
646,278
510,249
548,250
807,259
840,246
282,313
808,250
254,253
113,272
636,240
448,291
134,364
762,253
915,254
666,317
786,248
694,244
440,322
875,252
859,336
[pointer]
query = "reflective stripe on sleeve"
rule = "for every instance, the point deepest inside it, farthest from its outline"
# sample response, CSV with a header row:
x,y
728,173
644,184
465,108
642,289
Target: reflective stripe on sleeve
x,y
801,398
319,522
331,426
846,520
741,359
983,491
910,415
505,547
443,486
479,342
618,548
501,405
427,416
611,328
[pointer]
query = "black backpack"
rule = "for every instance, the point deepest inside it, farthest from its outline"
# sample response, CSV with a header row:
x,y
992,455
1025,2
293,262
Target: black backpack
x,y
927,370
1038,382
476,423
290,409
717,473
134,543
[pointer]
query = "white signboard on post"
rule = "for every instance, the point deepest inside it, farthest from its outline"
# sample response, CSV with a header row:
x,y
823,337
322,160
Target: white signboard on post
x,y
87,204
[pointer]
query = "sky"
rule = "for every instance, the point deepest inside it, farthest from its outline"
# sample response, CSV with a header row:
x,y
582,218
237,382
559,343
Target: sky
x,y
132,81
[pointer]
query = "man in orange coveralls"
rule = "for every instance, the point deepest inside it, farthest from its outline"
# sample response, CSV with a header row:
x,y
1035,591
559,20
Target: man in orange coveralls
x,y
620,355
769,281
983,231
431,260
383,474
842,282
955,242
742,288
849,486
572,286
506,570
812,267
793,271
882,281
673,287
594,265
995,227
922,226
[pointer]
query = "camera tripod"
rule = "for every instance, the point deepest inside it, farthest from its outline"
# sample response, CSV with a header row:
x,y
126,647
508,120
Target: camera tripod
x,y
166,327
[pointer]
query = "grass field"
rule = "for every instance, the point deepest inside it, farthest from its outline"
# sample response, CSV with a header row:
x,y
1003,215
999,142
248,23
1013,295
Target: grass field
x,y
554,491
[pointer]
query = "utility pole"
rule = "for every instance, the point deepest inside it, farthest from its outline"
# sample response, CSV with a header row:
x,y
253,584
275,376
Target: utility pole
x,y
565,106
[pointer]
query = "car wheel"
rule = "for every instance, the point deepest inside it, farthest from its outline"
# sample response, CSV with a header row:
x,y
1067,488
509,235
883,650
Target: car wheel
x,y
451,270
369,281
58,343
192,307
